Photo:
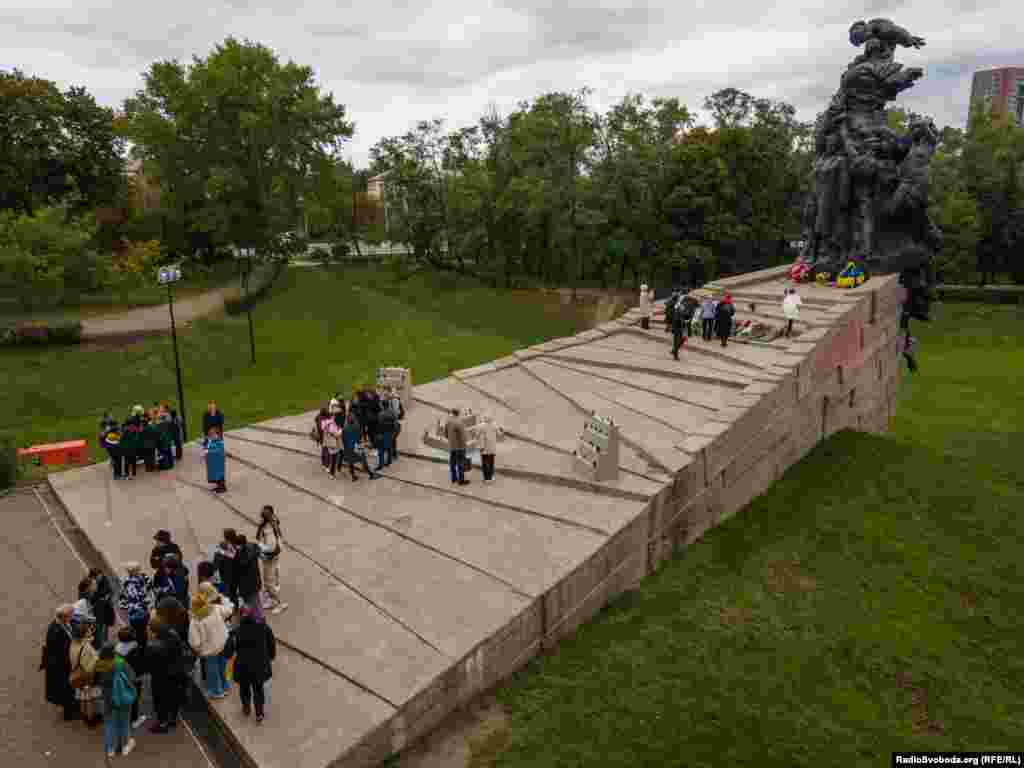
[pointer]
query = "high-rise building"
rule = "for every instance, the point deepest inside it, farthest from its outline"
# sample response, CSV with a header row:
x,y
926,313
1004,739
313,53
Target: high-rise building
x,y
1000,90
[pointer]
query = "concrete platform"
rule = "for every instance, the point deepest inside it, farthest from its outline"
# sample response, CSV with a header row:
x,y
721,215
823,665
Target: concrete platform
x,y
409,595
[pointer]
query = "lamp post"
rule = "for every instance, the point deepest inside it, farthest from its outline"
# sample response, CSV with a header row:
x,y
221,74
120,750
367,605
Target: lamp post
x,y
169,276
248,253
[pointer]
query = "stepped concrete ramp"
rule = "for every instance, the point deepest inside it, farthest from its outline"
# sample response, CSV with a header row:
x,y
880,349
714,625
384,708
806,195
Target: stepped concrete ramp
x,y
409,595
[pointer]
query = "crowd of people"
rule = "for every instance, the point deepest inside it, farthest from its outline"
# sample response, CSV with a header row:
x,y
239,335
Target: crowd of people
x,y
684,315
100,651
346,430
152,436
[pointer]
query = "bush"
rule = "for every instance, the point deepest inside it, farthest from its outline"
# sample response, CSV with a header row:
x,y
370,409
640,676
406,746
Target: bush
x,y
41,334
259,285
8,463
340,251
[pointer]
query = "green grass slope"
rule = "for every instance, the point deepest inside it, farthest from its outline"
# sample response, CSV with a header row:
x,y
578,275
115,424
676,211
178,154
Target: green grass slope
x,y
871,601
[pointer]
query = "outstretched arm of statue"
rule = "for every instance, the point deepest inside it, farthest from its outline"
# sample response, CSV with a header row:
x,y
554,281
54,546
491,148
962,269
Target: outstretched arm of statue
x,y
885,30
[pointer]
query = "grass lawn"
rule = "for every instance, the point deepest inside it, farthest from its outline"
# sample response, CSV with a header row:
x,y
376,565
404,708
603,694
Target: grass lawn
x,y
872,601
320,332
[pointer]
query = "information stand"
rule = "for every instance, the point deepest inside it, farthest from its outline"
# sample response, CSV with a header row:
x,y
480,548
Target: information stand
x,y
597,450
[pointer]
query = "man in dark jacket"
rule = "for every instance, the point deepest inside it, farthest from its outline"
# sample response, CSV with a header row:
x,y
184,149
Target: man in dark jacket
x,y
164,546
680,323
247,580
110,439
57,663
224,564
166,660
178,436
387,425
255,649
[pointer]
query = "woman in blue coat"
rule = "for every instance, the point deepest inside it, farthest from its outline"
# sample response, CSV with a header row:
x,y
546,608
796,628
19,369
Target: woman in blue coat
x,y
215,460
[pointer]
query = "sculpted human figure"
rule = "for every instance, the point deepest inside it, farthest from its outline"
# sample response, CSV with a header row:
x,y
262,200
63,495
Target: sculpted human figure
x,y
832,197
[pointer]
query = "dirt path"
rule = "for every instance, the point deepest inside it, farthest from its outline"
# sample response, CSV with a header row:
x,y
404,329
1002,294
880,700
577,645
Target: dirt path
x,y
156,319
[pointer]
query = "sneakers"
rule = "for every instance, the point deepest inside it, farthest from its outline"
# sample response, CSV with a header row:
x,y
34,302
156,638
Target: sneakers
x,y
246,710
128,747
139,721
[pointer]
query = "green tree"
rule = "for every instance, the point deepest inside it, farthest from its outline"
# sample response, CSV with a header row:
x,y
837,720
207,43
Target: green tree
x,y
235,140
56,147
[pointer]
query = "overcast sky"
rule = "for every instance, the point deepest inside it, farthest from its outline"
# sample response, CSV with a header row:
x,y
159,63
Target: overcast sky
x,y
393,64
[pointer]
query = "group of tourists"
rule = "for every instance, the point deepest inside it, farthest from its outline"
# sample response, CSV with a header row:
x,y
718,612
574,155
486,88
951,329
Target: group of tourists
x,y
97,659
456,434
152,436
683,314
346,430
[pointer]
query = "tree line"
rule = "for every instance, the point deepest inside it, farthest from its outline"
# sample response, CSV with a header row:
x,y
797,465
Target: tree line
x,y
245,149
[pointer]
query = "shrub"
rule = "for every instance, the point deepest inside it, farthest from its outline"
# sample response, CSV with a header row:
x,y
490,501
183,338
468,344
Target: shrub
x,y
41,334
8,463
339,251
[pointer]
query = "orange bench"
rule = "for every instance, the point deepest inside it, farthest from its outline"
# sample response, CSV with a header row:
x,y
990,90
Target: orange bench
x,y
70,452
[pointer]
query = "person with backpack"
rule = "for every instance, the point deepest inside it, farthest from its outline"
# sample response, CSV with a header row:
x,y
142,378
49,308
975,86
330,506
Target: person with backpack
x,y
133,652
224,564
724,318
353,453
136,599
208,634
247,580
271,542
117,679
170,662
255,651
56,662
110,440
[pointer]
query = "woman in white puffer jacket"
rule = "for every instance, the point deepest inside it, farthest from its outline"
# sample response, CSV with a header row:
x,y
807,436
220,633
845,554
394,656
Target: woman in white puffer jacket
x,y
208,635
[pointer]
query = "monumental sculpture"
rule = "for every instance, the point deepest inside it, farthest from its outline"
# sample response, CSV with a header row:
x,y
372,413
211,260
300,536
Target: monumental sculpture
x,y
870,200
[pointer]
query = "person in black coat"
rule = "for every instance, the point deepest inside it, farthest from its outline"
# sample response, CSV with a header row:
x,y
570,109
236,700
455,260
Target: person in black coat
x,y
224,564
164,546
167,662
724,319
57,663
212,418
255,651
247,580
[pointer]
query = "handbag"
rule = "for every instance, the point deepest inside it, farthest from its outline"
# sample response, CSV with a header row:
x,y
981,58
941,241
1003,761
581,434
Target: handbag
x,y
123,694
79,678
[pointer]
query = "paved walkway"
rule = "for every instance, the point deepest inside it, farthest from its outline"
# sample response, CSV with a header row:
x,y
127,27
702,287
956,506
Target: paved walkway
x,y
37,573
156,319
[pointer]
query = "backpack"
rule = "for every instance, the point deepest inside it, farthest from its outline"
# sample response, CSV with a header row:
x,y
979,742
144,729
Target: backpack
x,y
231,646
123,694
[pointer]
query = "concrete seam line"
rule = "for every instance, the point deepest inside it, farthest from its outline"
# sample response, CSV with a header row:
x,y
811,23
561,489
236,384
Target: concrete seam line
x,y
60,532
199,746
329,572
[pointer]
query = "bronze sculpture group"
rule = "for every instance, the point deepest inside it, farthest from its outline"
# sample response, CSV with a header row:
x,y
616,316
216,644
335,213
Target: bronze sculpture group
x,y
870,200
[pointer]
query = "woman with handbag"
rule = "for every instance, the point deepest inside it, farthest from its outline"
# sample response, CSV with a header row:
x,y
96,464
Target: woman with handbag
x,y
83,657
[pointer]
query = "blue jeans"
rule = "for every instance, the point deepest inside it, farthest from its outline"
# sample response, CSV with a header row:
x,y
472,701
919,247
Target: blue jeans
x,y
385,447
457,465
116,729
215,667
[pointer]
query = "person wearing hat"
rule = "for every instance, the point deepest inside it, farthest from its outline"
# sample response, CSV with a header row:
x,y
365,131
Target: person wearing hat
x,y
116,678
255,650
208,634
164,546
56,662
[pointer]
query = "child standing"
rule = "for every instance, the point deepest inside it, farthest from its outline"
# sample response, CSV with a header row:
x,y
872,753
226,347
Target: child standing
x,y
791,309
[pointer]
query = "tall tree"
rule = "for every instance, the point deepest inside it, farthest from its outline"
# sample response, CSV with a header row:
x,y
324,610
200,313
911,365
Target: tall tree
x,y
56,147
235,138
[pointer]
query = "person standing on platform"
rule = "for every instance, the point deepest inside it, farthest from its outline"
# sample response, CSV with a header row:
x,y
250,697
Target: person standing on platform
x,y
215,460
164,546
208,634
681,316
455,431
110,439
255,651
646,297
136,599
120,691
271,543
352,451
387,424
791,309
224,564
488,446
247,580
724,318
707,316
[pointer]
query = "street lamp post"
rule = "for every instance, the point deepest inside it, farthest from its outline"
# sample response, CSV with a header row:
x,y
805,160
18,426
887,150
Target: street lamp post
x,y
248,254
169,276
